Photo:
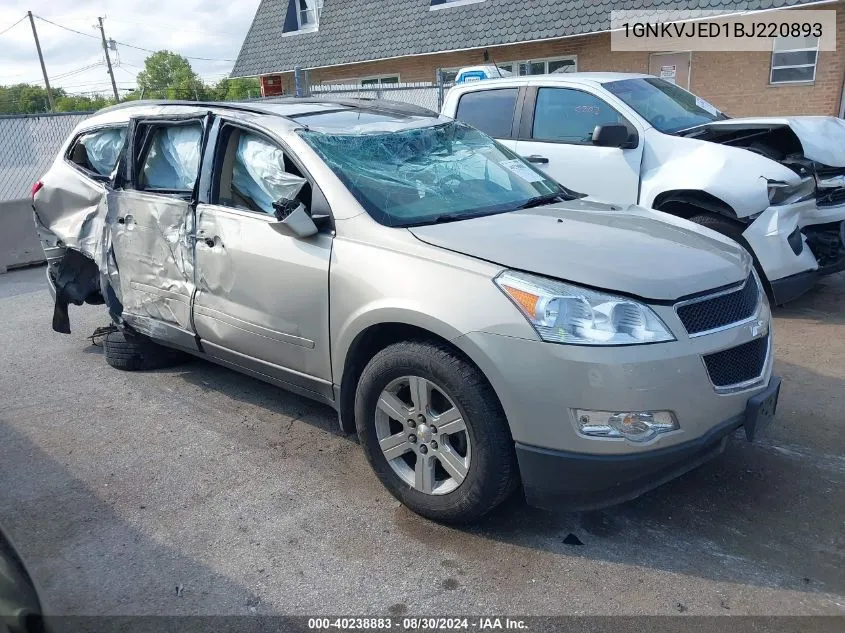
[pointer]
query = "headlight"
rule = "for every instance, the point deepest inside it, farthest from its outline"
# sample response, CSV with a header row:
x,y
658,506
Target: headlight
x,y
564,313
783,193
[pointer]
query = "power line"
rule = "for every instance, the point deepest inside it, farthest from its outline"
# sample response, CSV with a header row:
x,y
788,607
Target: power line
x,y
67,28
147,50
140,48
9,28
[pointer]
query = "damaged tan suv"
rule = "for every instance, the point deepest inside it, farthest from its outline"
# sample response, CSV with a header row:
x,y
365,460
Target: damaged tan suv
x,y
480,326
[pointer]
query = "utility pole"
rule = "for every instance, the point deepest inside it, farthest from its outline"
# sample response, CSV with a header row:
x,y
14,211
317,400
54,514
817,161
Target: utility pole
x,y
108,59
41,59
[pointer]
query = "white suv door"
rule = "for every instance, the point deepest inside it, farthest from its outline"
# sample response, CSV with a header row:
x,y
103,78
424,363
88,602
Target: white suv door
x,y
555,133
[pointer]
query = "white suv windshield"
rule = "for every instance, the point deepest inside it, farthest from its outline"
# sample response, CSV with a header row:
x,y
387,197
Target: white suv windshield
x,y
435,173
666,106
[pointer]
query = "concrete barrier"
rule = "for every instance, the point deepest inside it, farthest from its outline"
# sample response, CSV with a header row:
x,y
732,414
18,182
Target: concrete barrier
x,y
19,244
28,145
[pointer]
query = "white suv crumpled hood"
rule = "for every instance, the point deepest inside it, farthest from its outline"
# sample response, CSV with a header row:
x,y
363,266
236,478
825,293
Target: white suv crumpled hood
x,y
822,137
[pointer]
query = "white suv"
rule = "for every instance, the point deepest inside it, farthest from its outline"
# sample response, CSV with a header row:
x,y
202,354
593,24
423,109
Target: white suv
x,y
776,185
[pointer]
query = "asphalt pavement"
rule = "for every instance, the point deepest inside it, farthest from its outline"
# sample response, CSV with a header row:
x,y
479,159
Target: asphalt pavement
x,y
196,490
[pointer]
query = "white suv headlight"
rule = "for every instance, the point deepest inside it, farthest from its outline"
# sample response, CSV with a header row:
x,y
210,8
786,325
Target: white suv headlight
x,y
783,193
565,313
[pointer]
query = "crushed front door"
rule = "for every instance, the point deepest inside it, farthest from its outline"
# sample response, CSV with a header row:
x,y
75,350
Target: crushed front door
x,y
151,223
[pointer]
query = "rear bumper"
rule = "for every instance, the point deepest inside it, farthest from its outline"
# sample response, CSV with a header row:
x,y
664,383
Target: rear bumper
x,y
570,481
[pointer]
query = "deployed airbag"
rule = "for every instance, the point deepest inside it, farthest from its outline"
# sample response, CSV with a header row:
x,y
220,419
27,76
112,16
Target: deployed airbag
x,y
259,173
103,148
174,158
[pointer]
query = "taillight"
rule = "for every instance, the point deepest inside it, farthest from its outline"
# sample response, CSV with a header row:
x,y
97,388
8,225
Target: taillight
x,y
36,188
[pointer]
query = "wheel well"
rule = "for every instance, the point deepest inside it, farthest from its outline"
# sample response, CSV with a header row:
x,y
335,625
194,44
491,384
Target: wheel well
x,y
687,203
366,345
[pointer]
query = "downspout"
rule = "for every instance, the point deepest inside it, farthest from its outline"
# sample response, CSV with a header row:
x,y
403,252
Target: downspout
x,y
842,99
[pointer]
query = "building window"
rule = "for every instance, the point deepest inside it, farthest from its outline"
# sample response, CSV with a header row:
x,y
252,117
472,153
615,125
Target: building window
x,y
794,60
381,80
544,66
449,75
308,13
303,16
446,4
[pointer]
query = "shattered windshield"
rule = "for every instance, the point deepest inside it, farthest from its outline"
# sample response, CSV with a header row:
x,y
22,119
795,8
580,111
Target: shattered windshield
x,y
431,174
666,106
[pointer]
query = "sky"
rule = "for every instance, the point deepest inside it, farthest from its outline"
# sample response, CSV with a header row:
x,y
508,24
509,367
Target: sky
x,y
212,29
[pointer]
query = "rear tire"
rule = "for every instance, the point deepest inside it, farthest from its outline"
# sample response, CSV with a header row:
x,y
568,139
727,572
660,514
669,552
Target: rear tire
x,y
732,229
472,462
128,351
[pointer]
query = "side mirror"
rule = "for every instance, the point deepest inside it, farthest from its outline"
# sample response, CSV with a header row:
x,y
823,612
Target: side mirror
x,y
294,215
613,136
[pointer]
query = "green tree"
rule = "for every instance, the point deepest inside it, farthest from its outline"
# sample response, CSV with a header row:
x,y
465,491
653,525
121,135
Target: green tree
x,y
167,75
29,99
24,99
236,89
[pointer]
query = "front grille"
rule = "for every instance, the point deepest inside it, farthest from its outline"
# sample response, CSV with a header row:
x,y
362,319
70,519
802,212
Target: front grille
x,y
715,311
830,197
738,364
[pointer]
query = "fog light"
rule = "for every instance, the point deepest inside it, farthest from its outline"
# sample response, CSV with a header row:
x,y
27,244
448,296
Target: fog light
x,y
637,426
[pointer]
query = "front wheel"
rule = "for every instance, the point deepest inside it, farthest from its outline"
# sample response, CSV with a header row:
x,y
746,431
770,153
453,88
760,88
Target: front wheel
x,y
434,432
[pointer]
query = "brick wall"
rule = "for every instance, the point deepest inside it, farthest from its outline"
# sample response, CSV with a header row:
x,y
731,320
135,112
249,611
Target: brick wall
x,y
737,83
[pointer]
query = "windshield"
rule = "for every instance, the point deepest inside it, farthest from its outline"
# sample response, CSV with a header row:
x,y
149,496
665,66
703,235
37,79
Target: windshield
x,y
431,174
666,106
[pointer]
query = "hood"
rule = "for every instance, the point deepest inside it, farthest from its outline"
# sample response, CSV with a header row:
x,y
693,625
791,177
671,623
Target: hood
x,y
631,250
818,138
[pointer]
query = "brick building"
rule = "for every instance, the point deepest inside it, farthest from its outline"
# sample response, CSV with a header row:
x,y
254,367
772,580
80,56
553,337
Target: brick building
x,y
379,42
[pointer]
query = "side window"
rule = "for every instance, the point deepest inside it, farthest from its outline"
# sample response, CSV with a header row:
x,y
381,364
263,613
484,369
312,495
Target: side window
x,y
255,173
97,152
172,157
570,116
490,111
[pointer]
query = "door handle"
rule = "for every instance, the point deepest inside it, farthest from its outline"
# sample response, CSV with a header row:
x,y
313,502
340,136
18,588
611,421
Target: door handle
x,y
208,241
539,160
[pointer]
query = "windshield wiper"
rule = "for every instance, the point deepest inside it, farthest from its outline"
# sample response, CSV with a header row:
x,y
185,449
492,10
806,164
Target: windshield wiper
x,y
443,218
539,201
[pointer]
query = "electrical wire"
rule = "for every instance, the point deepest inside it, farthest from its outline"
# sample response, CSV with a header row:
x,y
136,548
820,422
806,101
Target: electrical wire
x,y
140,48
67,28
9,28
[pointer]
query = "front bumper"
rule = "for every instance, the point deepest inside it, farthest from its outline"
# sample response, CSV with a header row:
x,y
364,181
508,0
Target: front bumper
x,y
785,241
540,385
569,481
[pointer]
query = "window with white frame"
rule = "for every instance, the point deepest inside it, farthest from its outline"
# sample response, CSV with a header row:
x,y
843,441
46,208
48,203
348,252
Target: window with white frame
x,y
544,66
445,4
448,74
794,59
380,80
308,13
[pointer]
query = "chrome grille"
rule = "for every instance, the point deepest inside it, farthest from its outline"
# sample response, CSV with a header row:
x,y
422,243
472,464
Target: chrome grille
x,y
721,309
737,365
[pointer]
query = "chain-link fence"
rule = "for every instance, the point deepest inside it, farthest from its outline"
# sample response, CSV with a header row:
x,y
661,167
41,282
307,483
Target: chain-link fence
x,y
28,144
426,95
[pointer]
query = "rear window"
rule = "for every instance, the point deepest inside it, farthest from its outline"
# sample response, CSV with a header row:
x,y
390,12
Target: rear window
x,y
490,111
97,152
